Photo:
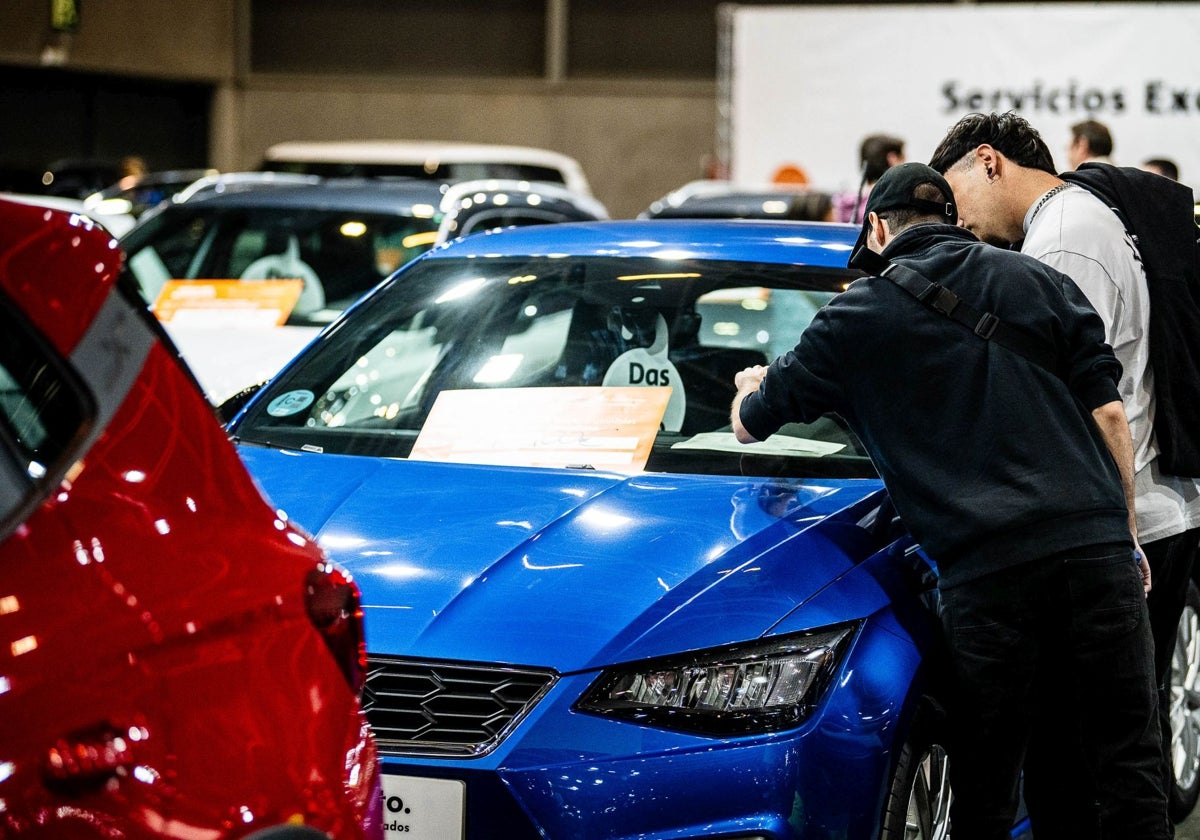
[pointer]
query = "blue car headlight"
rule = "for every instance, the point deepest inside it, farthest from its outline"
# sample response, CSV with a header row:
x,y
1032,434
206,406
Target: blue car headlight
x,y
761,686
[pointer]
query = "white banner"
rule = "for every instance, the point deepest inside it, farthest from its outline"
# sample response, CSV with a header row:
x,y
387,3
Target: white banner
x,y
809,83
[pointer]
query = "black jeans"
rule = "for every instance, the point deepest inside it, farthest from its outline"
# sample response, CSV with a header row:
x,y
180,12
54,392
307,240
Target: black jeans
x,y
1171,561
1053,657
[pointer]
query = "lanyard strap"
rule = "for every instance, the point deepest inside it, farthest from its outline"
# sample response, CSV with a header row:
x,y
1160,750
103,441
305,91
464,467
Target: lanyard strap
x,y
983,324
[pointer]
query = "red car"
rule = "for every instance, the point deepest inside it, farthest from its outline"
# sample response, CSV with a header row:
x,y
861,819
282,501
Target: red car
x,y
176,660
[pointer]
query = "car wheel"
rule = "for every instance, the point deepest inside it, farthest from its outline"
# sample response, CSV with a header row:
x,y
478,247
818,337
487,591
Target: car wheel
x,y
288,832
1185,709
918,803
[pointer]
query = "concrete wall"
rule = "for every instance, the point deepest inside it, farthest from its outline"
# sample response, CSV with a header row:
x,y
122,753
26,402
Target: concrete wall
x,y
165,39
636,139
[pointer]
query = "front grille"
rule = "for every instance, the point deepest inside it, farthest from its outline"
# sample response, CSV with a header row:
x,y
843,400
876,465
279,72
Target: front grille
x,y
418,707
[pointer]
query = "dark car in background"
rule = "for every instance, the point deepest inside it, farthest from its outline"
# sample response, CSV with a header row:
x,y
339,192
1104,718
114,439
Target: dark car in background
x,y
717,199
135,194
79,177
244,269
176,659
490,204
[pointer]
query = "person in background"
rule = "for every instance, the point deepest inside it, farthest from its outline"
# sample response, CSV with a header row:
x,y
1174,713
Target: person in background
x,y
1162,166
1004,182
1016,480
877,154
133,165
1090,141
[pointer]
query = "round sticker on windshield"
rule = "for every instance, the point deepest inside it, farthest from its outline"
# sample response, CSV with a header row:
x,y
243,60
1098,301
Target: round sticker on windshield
x,y
290,403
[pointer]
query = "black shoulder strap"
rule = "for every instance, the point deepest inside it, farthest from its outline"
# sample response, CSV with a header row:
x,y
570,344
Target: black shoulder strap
x,y
945,302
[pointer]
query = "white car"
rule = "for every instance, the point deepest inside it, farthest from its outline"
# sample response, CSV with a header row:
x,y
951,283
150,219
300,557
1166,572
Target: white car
x,y
438,160
116,223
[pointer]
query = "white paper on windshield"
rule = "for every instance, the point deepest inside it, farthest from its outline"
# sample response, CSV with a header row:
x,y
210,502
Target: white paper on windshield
x,y
776,445
602,428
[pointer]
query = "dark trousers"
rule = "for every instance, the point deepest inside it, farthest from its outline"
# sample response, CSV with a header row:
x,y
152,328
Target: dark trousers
x,y
1056,806
1053,657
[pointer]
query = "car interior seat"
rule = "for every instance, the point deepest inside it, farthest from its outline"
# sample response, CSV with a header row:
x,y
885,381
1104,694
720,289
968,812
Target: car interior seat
x,y
646,362
288,265
707,374
590,347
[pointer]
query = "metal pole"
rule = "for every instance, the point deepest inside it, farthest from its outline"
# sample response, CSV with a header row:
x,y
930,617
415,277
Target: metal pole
x,y
556,40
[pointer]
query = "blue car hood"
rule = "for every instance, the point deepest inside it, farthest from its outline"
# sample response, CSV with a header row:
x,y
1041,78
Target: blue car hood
x,y
566,569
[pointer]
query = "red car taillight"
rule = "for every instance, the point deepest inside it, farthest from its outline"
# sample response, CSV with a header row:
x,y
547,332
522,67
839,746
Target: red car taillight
x,y
332,600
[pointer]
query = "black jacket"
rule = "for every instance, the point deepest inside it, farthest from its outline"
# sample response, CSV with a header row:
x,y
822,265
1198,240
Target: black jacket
x,y
991,460
1159,213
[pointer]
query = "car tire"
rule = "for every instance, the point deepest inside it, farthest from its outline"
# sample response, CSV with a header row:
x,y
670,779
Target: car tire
x,y
1185,709
918,802
288,832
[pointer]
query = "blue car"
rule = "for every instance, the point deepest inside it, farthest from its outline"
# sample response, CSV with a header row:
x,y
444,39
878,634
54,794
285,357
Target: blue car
x,y
590,612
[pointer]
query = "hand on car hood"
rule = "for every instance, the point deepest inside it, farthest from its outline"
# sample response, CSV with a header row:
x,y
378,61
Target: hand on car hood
x,y
565,569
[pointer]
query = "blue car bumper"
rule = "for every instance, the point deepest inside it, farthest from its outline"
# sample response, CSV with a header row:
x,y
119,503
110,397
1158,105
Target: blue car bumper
x,y
566,773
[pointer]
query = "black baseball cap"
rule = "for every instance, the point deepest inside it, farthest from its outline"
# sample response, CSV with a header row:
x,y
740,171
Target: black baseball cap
x,y
894,190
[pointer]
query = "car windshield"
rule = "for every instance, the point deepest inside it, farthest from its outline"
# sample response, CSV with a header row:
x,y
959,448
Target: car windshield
x,y
369,385
437,170
338,254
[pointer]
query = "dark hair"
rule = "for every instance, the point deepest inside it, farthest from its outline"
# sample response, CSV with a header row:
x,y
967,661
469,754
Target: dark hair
x,y
873,154
899,218
1097,135
1007,133
1166,166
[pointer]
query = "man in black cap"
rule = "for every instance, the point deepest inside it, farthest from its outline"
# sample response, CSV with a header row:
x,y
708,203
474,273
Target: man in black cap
x,y
980,383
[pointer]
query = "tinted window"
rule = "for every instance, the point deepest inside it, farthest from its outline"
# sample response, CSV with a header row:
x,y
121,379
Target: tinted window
x,y
339,254
43,414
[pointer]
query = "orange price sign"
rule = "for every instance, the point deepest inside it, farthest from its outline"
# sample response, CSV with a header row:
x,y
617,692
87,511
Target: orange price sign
x,y
222,303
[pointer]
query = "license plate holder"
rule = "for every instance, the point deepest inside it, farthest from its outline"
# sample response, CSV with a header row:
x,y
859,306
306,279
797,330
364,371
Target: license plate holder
x,y
421,808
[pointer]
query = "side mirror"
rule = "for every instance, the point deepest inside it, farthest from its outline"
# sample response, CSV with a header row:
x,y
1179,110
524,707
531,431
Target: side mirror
x,y
227,410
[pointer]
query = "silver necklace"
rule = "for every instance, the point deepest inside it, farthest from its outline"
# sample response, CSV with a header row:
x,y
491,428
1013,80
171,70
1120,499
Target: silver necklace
x,y
1053,192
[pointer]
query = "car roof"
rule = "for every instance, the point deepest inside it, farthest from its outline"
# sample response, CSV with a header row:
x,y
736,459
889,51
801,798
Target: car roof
x,y
165,177
818,244
116,223
412,151
718,199
486,197
514,188
426,152
362,194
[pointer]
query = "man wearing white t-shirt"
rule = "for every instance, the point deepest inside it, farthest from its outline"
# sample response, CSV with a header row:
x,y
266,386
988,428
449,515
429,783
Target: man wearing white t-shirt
x,y
1004,183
